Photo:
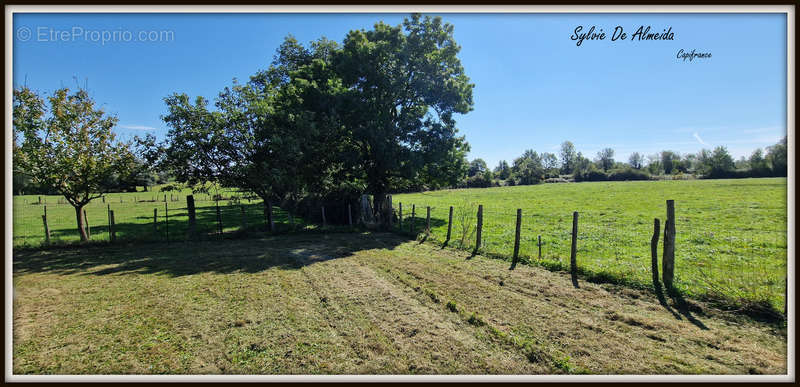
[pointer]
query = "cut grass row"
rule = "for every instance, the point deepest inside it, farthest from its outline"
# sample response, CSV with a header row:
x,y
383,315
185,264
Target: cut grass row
x,y
351,304
731,234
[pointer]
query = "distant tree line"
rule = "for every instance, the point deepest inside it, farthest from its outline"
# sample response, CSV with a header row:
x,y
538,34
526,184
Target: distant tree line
x,y
533,168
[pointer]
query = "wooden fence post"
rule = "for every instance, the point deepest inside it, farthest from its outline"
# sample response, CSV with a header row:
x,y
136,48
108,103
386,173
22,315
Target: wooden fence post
x,y
244,219
428,221
516,237
573,265
413,212
104,199
479,229
108,214
166,219
46,227
269,217
113,227
449,225
219,219
400,210
324,222
390,210
192,230
40,200
349,215
654,250
668,258
540,247
86,222
155,221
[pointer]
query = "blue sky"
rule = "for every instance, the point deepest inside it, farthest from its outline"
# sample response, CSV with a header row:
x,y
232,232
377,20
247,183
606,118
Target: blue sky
x,y
534,87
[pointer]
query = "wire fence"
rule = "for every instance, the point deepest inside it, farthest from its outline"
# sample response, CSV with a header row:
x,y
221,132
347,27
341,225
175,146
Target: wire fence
x,y
162,217
718,255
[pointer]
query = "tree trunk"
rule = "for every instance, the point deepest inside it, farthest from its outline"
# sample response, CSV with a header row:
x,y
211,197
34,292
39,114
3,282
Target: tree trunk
x,y
382,212
81,226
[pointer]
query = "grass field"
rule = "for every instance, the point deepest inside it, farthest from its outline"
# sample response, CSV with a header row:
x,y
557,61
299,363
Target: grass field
x,y
731,241
133,216
351,303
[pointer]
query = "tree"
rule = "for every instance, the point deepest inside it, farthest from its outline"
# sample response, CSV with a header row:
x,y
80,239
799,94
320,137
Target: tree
x,y
276,136
550,164
405,83
667,161
528,168
636,160
70,148
758,164
477,166
568,157
654,165
605,158
777,157
502,171
715,164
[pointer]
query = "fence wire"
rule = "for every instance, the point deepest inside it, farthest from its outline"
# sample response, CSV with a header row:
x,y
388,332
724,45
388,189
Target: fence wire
x,y
720,252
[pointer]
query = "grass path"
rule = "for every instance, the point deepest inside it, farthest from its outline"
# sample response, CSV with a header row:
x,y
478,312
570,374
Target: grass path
x,y
353,304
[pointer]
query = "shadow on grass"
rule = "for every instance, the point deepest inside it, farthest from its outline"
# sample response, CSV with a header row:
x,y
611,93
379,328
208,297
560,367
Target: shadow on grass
x,y
290,251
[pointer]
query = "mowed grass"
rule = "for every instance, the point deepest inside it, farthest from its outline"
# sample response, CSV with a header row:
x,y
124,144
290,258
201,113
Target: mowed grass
x,y
133,216
352,303
731,239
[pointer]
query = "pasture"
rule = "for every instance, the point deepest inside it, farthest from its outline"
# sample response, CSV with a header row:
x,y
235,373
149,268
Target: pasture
x,y
353,303
731,243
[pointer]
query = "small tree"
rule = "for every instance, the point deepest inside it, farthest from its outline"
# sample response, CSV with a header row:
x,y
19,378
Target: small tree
x,y
605,158
636,160
72,150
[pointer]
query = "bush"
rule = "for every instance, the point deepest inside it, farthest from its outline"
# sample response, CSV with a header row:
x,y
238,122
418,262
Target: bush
x,y
628,174
591,175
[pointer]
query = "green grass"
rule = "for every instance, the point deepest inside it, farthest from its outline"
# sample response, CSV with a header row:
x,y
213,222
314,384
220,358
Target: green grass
x,y
353,303
133,216
730,245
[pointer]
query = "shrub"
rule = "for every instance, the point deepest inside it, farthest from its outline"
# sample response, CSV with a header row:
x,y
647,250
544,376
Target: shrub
x,y
628,174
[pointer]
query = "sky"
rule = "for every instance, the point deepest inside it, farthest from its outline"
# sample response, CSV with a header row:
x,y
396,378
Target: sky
x,y
534,86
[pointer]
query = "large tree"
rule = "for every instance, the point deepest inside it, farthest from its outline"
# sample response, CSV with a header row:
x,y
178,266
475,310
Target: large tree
x,y
274,136
405,84
636,160
69,148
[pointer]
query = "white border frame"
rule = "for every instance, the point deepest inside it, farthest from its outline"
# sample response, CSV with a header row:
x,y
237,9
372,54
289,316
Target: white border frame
x,y
790,131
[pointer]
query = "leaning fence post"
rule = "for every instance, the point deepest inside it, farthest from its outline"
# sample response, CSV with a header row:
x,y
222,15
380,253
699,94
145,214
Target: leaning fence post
x,y
449,225
86,221
46,227
479,228
654,250
192,230
516,237
155,221
324,222
668,258
428,221
573,265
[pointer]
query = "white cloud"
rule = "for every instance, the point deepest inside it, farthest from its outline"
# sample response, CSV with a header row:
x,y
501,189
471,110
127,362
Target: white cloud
x,y
137,127
697,137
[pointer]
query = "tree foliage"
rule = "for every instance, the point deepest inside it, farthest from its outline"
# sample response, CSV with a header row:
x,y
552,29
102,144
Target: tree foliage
x,y
67,146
